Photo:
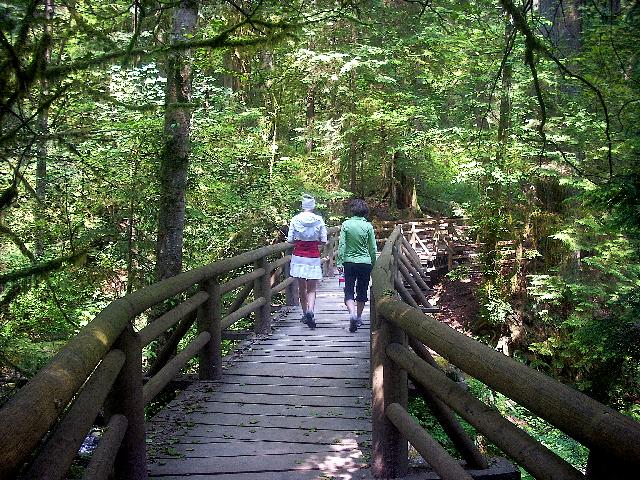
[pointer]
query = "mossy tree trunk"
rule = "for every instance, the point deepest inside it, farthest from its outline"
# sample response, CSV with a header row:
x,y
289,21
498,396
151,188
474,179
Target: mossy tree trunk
x,y
174,162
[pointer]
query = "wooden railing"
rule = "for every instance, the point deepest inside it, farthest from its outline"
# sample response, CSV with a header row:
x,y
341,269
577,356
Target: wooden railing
x,y
612,438
100,370
437,242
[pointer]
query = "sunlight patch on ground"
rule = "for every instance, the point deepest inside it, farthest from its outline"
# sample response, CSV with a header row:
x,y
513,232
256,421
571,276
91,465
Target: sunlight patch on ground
x,y
343,465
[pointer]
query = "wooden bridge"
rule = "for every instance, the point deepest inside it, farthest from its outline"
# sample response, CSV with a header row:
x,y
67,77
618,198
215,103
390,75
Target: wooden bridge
x,y
290,402
294,404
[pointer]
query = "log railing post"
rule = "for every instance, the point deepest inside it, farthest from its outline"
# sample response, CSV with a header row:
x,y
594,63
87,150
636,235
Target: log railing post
x,y
413,238
451,231
445,416
389,382
396,252
324,259
390,456
378,424
209,316
291,292
127,399
330,260
262,288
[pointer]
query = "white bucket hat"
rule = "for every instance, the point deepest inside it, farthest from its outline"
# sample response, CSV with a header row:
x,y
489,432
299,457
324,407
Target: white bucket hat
x,y
308,202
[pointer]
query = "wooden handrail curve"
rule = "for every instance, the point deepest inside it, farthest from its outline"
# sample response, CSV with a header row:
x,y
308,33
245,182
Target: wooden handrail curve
x,y
607,433
48,398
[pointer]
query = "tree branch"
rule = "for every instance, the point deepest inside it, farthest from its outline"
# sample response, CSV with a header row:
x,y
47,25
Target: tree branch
x,y
43,267
530,60
17,241
535,44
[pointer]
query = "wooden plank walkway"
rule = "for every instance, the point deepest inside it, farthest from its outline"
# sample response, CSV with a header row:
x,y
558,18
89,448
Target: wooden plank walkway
x,y
294,404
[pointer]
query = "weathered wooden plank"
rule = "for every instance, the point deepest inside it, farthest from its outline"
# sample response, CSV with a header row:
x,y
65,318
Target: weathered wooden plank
x,y
284,370
261,463
330,326
303,390
321,351
251,447
273,421
197,433
280,475
328,343
240,379
320,339
337,328
256,409
306,360
294,353
351,347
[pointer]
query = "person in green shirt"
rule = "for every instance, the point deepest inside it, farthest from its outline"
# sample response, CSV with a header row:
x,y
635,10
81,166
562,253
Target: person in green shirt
x,y
356,257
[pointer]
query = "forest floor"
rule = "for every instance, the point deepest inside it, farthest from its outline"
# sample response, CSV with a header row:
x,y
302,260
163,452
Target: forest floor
x,y
458,302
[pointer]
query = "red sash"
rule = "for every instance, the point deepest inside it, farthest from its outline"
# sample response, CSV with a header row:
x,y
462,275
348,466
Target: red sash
x,y
309,249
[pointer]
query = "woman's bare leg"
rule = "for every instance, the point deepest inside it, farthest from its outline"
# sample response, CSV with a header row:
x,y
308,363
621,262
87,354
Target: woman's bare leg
x,y
302,293
311,295
360,309
351,306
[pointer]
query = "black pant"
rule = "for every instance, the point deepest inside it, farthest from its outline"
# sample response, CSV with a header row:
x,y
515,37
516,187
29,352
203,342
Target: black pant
x,y
356,275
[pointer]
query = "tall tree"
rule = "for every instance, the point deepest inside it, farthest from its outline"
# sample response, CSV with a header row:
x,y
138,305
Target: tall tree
x,y
174,162
43,131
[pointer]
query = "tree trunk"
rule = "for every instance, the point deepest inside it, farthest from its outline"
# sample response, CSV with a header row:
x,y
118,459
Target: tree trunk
x,y
274,137
566,24
174,162
504,122
310,116
393,203
131,223
353,164
43,131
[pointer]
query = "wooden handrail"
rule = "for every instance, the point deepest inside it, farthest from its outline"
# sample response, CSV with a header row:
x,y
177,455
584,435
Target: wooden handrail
x,y
282,285
55,458
170,345
164,376
169,319
578,415
535,457
600,428
47,394
104,456
241,280
50,391
436,456
242,312
445,416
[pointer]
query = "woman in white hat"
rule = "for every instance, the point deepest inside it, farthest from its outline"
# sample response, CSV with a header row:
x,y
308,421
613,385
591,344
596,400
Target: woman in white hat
x,y
308,233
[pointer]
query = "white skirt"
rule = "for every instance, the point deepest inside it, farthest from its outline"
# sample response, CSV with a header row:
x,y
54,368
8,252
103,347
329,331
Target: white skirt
x,y
304,267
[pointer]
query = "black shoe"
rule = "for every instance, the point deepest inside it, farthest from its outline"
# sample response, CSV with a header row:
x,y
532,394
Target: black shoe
x,y
303,319
359,322
353,324
310,320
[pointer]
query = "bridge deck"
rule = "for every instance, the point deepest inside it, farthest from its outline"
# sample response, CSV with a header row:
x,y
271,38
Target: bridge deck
x,y
293,405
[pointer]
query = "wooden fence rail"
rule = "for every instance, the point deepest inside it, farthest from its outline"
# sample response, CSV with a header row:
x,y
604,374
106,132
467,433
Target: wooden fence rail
x,y
440,241
397,321
100,370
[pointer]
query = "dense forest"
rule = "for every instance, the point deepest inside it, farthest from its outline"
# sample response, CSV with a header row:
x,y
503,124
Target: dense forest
x,y
140,139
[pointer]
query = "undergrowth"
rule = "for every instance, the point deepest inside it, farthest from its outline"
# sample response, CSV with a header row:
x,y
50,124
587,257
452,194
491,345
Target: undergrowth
x,y
554,439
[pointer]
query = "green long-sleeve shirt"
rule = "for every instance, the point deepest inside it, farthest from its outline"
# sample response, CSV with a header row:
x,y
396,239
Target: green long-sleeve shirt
x,y
357,242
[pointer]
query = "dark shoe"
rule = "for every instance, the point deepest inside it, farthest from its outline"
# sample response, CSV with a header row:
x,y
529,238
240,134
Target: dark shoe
x,y
304,318
310,320
358,322
353,324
